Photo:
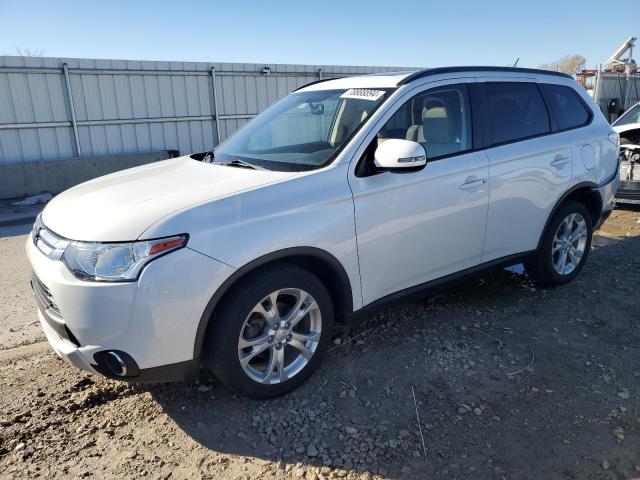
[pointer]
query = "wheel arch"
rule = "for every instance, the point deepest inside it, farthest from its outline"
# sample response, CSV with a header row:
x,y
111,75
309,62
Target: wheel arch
x,y
585,193
319,262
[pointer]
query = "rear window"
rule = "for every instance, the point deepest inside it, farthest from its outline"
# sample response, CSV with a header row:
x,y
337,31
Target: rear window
x,y
568,109
517,111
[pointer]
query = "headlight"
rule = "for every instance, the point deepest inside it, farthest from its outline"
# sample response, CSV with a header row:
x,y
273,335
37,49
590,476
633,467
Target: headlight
x,y
117,262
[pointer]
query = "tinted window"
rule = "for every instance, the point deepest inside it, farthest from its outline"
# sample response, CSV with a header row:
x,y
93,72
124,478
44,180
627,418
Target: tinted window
x,y
517,111
439,119
569,111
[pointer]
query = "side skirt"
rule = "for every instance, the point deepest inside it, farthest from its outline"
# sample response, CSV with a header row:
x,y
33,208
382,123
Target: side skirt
x,y
433,286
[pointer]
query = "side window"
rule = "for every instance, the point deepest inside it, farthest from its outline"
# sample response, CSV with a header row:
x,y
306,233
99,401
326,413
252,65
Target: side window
x,y
569,111
439,119
517,111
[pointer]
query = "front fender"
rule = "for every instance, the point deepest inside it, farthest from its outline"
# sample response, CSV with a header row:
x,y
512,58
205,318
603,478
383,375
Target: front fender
x,y
312,210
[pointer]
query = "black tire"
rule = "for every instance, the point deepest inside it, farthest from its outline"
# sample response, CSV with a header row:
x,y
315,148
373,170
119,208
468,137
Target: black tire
x,y
221,349
540,265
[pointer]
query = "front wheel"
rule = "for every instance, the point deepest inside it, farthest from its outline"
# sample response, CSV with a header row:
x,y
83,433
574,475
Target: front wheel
x,y
564,248
271,332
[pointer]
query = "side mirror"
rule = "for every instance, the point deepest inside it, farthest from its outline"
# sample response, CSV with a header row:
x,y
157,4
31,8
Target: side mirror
x,y
399,155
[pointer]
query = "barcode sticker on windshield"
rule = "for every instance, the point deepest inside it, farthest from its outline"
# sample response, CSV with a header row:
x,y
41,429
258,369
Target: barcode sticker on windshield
x,y
363,94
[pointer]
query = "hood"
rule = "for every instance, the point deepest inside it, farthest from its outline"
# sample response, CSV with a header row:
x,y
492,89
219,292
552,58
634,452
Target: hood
x,y
122,205
626,127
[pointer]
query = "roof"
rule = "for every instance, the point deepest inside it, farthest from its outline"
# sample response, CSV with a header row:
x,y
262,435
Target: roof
x,y
396,79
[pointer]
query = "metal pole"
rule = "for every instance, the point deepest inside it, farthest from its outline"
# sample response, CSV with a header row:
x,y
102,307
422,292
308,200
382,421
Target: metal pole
x,y
215,104
596,93
74,124
627,68
319,74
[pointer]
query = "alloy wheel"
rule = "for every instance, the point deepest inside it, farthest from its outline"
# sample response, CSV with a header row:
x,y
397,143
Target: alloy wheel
x,y
279,336
569,244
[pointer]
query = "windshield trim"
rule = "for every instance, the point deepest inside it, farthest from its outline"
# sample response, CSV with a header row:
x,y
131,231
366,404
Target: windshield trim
x,y
619,122
303,167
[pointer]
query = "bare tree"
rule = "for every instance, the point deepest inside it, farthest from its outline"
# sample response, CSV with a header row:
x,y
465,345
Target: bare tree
x,y
569,64
27,52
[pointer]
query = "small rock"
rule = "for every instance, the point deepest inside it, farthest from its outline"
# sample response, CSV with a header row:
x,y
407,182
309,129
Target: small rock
x,y
337,341
20,446
312,451
350,430
204,388
624,394
606,465
477,411
619,433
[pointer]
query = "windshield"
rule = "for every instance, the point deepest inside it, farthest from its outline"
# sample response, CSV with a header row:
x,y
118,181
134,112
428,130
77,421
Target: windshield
x,y
631,116
303,131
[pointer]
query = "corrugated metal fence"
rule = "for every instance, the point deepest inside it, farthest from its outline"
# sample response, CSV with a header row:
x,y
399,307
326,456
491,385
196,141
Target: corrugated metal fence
x,y
53,108
609,86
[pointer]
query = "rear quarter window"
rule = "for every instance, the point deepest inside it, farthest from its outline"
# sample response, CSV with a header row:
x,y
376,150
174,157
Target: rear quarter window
x,y
568,108
517,111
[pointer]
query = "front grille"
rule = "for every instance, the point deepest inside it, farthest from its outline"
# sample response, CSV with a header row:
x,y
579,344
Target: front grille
x,y
49,243
45,295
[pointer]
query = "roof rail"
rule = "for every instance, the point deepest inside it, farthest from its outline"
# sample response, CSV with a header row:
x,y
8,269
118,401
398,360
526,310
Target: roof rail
x,y
436,71
314,82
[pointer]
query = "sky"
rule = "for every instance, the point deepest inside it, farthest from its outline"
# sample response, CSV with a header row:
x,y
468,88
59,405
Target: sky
x,y
388,33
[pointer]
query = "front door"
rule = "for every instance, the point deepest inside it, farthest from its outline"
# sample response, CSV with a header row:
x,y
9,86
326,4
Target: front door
x,y
418,226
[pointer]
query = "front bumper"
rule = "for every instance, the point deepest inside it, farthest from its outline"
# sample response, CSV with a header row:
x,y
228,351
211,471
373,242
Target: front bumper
x,y
629,179
154,320
629,190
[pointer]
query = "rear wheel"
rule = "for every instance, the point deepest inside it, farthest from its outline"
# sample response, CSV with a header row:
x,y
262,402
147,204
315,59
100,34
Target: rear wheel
x,y
564,248
271,332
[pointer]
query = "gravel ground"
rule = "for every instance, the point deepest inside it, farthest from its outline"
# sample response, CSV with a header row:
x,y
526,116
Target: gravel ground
x,y
510,381
18,324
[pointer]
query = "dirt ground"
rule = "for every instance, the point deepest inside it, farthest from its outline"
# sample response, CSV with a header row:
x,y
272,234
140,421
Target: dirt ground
x,y
510,382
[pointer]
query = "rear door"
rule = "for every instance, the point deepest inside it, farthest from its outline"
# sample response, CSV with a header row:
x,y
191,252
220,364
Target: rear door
x,y
530,166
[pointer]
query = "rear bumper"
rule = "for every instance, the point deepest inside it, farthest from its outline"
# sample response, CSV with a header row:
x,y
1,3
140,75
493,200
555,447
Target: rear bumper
x,y
608,192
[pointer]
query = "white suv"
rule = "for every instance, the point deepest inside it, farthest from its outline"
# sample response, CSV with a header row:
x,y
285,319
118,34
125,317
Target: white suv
x,y
345,194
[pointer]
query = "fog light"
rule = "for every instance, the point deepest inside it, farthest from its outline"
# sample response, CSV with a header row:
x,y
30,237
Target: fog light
x,y
116,364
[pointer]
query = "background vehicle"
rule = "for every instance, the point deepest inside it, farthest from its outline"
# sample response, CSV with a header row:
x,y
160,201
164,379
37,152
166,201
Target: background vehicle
x,y
346,194
628,126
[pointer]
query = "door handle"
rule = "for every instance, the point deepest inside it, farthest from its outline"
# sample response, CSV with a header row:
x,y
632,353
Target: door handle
x,y
471,183
560,161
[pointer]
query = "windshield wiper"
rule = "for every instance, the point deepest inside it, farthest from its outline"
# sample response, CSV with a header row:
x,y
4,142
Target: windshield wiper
x,y
241,164
208,154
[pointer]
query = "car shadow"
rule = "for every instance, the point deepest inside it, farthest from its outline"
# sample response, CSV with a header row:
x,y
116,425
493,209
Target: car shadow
x,y
506,379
